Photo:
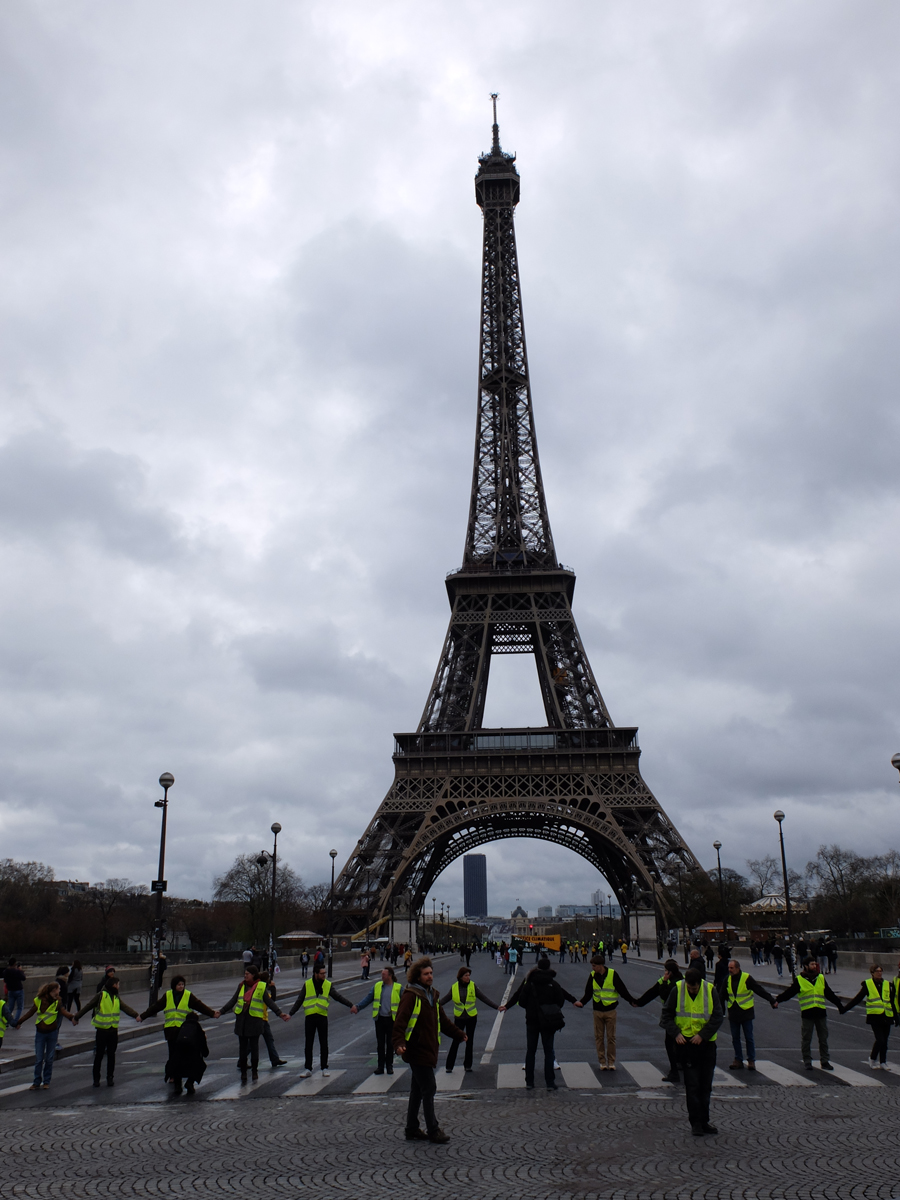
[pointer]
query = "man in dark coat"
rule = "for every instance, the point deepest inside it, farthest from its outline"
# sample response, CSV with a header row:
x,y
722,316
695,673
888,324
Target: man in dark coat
x,y
734,991
538,993
187,1054
247,1025
416,1039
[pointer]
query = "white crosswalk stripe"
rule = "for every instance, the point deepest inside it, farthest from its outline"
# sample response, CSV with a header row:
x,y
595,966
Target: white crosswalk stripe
x,y
450,1081
378,1084
782,1075
856,1078
726,1079
237,1091
579,1075
510,1075
316,1082
645,1074
18,1087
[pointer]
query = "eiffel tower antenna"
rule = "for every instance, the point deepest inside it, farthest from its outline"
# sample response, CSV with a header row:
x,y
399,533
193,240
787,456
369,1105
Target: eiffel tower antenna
x,y
575,781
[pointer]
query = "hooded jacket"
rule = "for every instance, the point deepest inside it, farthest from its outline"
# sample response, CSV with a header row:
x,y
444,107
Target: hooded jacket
x,y
538,988
422,1047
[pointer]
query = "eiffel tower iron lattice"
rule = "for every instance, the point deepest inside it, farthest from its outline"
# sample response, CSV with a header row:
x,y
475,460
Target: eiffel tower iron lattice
x,y
458,785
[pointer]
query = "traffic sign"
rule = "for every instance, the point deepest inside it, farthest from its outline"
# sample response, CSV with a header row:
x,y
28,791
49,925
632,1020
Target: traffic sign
x,y
159,885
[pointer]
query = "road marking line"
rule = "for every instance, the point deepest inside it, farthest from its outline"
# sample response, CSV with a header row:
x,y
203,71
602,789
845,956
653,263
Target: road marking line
x,y
855,1078
315,1083
723,1079
378,1084
145,1046
18,1087
579,1075
509,1075
495,1030
782,1075
450,1081
645,1074
235,1091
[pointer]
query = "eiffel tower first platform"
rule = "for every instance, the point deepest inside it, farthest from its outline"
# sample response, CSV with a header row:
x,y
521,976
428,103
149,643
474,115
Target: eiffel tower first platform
x,y
457,785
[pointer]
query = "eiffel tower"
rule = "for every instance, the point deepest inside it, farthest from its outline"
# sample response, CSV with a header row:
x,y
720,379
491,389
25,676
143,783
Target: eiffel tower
x,y
457,785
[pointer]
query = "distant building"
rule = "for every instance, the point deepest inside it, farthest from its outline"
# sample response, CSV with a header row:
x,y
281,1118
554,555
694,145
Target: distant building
x,y
518,911
545,912
575,910
475,885
68,887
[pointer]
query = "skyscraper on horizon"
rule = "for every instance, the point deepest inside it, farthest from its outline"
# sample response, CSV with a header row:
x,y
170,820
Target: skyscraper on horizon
x,y
475,885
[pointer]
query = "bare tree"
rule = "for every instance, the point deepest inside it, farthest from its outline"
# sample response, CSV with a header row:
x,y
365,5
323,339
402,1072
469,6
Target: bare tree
x,y
109,896
248,883
765,873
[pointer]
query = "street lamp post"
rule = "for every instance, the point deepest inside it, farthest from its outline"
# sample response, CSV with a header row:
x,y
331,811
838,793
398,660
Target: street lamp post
x,y
609,902
779,817
895,761
159,884
684,938
264,857
333,854
433,922
718,846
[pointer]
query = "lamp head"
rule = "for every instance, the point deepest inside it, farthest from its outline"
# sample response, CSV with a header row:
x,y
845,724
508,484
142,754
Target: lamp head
x,y
166,780
895,761
276,828
333,853
717,845
779,816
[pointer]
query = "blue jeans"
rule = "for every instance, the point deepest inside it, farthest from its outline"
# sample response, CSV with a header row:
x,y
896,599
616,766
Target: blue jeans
x,y
747,1026
779,963
44,1050
16,1002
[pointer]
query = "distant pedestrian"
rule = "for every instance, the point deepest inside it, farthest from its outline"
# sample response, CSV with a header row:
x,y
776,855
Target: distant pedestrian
x,y
314,998
881,1012
364,961
106,1007
810,986
736,993
513,956
249,1003
177,1002
187,1054
542,998
831,949
14,978
247,957
62,978
48,1012
384,997
73,991
416,1038
696,963
692,1014
778,955
304,964
708,951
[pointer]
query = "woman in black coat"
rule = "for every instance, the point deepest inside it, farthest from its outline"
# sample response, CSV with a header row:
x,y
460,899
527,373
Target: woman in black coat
x,y
187,1052
540,995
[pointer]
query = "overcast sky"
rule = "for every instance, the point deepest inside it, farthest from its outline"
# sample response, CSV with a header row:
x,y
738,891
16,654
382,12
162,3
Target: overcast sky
x,y
239,312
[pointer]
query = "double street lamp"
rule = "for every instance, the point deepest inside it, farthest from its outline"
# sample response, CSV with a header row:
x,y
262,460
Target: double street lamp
x,y
718,846
264,857
159,885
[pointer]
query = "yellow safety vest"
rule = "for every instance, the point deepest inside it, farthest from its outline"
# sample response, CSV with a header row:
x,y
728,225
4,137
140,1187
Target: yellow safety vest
x,y
396,989
257,1006
467,1007
693,1012
47,1019
812,995
175,1014
878,1000
743,997
313,1005
4,1020
411,1024
605,992
106,1014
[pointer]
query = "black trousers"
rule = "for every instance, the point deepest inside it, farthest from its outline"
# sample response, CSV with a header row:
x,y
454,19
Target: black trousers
x,y
384,1029
467,1025
670,1051
317,1024
699,1065
533,1035
881,1031
170,1035
421,1094
249,1047
105,1044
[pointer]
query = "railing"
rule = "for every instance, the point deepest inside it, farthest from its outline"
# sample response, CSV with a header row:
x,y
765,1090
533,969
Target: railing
x,y
482,741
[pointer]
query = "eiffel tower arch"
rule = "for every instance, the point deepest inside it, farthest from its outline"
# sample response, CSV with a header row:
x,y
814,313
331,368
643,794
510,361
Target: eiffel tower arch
x,y
575,781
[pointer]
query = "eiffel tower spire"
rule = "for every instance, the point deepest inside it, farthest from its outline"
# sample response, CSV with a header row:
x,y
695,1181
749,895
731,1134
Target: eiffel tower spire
x,y
575,781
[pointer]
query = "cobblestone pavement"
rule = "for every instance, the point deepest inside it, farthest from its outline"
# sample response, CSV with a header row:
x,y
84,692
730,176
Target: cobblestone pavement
x,y
822,1143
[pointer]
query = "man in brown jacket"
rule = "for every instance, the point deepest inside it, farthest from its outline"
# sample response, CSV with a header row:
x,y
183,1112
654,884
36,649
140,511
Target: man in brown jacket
x,y
416,1039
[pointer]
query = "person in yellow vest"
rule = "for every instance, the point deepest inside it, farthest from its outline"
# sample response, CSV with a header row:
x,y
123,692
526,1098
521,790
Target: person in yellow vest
x,y
384,996
605,987
693,1014
660,991
736,993
880,996
6,1017
176,1003
314,998
813,991
48,1010
106,1008
464,995
251,1002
